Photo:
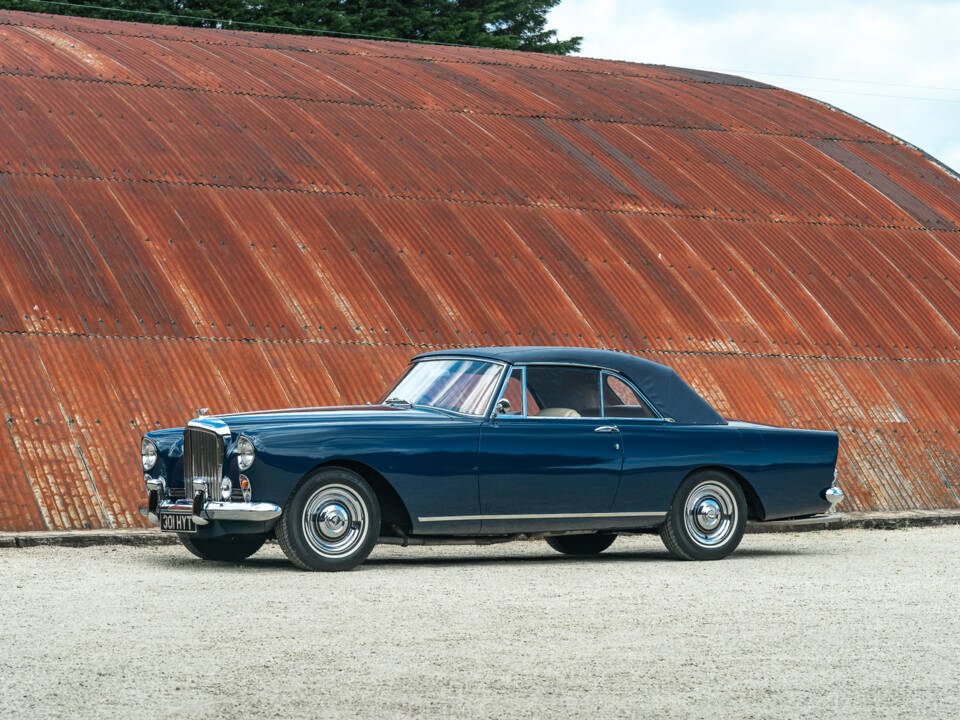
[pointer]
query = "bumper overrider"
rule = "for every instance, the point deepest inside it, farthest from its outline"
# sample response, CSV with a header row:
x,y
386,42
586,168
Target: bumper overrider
x,y
833,495
201,509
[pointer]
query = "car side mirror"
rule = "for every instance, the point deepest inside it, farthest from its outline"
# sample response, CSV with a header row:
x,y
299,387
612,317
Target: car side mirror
x,y
502,407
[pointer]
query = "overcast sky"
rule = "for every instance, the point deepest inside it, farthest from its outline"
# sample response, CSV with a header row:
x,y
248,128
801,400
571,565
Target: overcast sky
x,y
893,64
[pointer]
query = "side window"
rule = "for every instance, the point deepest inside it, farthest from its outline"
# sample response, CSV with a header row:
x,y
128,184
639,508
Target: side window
x,y
620,400
513,392
564,392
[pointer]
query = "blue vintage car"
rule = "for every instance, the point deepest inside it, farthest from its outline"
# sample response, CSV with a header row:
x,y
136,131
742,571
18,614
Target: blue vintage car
x,y
486,445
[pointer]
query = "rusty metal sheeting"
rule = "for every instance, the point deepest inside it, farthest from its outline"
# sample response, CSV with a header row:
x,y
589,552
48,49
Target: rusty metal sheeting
x,y
237,220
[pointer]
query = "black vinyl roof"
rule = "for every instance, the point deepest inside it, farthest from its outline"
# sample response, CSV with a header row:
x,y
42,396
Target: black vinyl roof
x,y
661,384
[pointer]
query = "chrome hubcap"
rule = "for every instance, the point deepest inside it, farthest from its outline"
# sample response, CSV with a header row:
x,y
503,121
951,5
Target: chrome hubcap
x,y
710,514
335,520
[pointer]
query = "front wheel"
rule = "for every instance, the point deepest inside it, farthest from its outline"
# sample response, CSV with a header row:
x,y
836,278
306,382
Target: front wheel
x,y
331,523
707,517
229,548
581,544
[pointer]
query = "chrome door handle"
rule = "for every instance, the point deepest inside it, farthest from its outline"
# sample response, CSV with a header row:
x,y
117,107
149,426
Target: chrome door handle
x,y
606,428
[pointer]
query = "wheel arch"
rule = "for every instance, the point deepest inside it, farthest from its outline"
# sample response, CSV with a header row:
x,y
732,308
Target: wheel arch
x,y
393,511
755,510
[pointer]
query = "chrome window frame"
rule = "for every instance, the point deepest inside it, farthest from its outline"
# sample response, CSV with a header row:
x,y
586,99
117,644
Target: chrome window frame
x,y
490,405
523,390
601,371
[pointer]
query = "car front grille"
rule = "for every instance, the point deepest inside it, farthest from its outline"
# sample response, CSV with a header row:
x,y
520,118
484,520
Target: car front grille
x,y
202,460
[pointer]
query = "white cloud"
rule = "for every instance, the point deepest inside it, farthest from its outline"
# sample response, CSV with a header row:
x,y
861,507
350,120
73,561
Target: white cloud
x,y
888,56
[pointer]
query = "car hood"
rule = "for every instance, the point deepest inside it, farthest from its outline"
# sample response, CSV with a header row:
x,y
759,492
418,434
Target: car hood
x,y
335,415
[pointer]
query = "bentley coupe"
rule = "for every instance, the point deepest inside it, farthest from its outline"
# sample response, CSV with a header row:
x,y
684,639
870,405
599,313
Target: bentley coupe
x,y
484,445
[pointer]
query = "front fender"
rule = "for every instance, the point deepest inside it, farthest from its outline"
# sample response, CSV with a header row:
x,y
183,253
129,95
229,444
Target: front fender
x,y
169,442
433,471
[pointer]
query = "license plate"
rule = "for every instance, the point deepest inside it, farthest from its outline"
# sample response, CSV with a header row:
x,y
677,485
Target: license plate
x,y
176,522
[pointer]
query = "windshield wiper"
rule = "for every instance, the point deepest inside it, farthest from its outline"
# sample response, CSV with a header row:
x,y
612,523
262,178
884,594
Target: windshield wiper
x,y
398,402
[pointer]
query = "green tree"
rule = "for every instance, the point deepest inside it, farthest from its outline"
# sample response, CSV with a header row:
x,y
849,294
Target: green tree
x,y
506,24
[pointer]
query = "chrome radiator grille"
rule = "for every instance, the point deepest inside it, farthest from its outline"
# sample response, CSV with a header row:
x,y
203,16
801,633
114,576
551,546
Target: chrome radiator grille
x,y
202,460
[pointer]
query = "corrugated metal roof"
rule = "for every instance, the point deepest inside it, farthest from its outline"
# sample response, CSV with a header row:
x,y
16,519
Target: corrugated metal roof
x,y
238,220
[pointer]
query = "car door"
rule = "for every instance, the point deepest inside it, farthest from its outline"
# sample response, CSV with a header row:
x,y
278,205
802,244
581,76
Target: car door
x,y
549,461
655,451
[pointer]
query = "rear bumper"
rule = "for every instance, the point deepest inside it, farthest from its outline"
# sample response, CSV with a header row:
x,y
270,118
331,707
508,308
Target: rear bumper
x,y
833,495
205,511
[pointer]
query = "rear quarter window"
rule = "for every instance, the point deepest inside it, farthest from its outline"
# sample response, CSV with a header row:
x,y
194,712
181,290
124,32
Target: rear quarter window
x,y
621,400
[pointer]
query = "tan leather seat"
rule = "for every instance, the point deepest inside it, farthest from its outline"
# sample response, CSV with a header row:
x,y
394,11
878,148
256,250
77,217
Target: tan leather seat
x,y
558,412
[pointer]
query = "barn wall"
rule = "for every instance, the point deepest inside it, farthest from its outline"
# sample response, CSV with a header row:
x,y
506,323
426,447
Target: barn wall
x,y
229,220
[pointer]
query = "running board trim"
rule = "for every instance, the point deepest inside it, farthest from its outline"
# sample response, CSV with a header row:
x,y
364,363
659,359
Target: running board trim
x,y
541,516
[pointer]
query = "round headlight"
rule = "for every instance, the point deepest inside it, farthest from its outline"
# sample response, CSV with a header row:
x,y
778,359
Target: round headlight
x,y
244,452
148,453
226,487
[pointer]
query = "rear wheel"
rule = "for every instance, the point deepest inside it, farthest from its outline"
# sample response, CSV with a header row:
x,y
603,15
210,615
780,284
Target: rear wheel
x,y
229,548
707,517
331,523
581,544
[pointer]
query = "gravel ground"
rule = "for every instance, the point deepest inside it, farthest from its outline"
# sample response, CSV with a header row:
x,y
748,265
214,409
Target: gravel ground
x,y
844,624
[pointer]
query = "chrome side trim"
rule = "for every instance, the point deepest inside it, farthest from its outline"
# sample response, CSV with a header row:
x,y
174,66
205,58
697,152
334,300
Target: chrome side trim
x,y
540,516
598,418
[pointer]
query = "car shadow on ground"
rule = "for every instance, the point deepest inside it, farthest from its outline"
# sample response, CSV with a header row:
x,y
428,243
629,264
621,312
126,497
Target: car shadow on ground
x,y
482,557
606,557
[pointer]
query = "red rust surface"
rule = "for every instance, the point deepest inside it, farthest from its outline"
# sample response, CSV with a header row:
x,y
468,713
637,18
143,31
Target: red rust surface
x,y
236,220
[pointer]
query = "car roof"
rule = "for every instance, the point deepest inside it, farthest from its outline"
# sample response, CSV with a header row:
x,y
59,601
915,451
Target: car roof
x,y
660,383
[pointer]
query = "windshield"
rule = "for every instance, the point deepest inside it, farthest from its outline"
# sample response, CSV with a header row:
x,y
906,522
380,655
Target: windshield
x,y
464,386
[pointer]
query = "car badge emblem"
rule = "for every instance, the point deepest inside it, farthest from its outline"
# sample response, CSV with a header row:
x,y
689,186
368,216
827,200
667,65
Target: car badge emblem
x,y
202,411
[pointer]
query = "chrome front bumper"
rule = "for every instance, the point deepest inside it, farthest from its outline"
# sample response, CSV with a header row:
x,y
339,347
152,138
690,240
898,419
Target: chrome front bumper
x,y
203,510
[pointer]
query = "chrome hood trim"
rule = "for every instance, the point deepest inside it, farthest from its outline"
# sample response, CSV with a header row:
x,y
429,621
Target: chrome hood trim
x,y
213,424
312,410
